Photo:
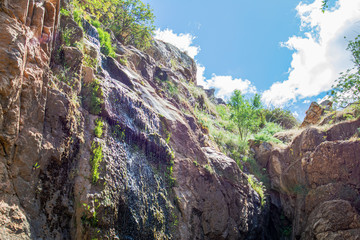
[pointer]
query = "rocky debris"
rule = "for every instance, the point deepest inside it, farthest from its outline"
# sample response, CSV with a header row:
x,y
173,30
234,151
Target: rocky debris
x,y
315,180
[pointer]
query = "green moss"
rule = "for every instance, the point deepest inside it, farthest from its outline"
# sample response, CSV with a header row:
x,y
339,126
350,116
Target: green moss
x,y
208,168
96,159
96,97
99,124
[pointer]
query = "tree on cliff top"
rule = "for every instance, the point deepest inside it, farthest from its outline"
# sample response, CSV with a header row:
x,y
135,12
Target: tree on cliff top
x,y
130,20
347,87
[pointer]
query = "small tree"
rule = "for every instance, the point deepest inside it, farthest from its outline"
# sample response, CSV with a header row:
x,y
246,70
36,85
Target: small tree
x,y
247,114
347,87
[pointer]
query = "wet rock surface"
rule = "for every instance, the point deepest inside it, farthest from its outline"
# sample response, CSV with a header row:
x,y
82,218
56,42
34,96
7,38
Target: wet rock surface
x,y
155,179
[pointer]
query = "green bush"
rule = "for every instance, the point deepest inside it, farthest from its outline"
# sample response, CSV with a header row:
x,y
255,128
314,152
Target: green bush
x,y
281,117
105,42
266,133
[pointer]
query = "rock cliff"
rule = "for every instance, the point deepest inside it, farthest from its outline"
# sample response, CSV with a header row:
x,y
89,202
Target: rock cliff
x,y
99,147
315,181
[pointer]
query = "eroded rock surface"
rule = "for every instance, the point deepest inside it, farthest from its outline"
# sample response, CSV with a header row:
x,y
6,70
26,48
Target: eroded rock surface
x,y
315,181
158,176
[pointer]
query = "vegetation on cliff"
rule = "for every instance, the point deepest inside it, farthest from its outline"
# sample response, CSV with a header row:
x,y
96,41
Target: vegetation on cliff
x,y
131,21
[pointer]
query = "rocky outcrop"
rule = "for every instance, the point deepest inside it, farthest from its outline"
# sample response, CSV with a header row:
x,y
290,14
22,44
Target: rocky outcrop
x,y
315,181
149,174
313,115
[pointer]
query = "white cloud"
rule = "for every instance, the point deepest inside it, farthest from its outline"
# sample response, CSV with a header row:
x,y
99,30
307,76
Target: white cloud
x,y
306,101
320,55
295,114
182,41
224,85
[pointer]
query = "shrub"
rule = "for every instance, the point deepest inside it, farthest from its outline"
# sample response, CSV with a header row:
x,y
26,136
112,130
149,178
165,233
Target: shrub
x,y
105,42
282,117
266,133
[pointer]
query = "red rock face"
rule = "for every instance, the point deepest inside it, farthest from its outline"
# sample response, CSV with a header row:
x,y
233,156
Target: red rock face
x,y
24,61
317,176
46,136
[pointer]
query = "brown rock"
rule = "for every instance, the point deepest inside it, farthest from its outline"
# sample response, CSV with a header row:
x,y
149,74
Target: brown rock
x,y
334,162
332,216
88,75
19,8
313,115
331,191
37,21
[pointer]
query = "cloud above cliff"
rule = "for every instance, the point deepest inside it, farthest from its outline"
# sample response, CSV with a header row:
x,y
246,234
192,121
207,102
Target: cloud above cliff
x,y
224,85
183,41
320,54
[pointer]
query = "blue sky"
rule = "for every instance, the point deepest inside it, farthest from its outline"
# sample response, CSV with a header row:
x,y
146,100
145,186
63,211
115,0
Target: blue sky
x,y
287,50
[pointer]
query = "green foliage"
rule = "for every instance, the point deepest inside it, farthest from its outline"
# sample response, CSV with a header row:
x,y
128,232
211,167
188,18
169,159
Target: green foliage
x,y
105,42
130,20
245,113
254,168
324,5
64,12
208,168
266,133
286,231
347,87
169,174
89,61
280,116
119,133
66,36
95,97
99,124
258,187
96,159
172,88
91,220
123,61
